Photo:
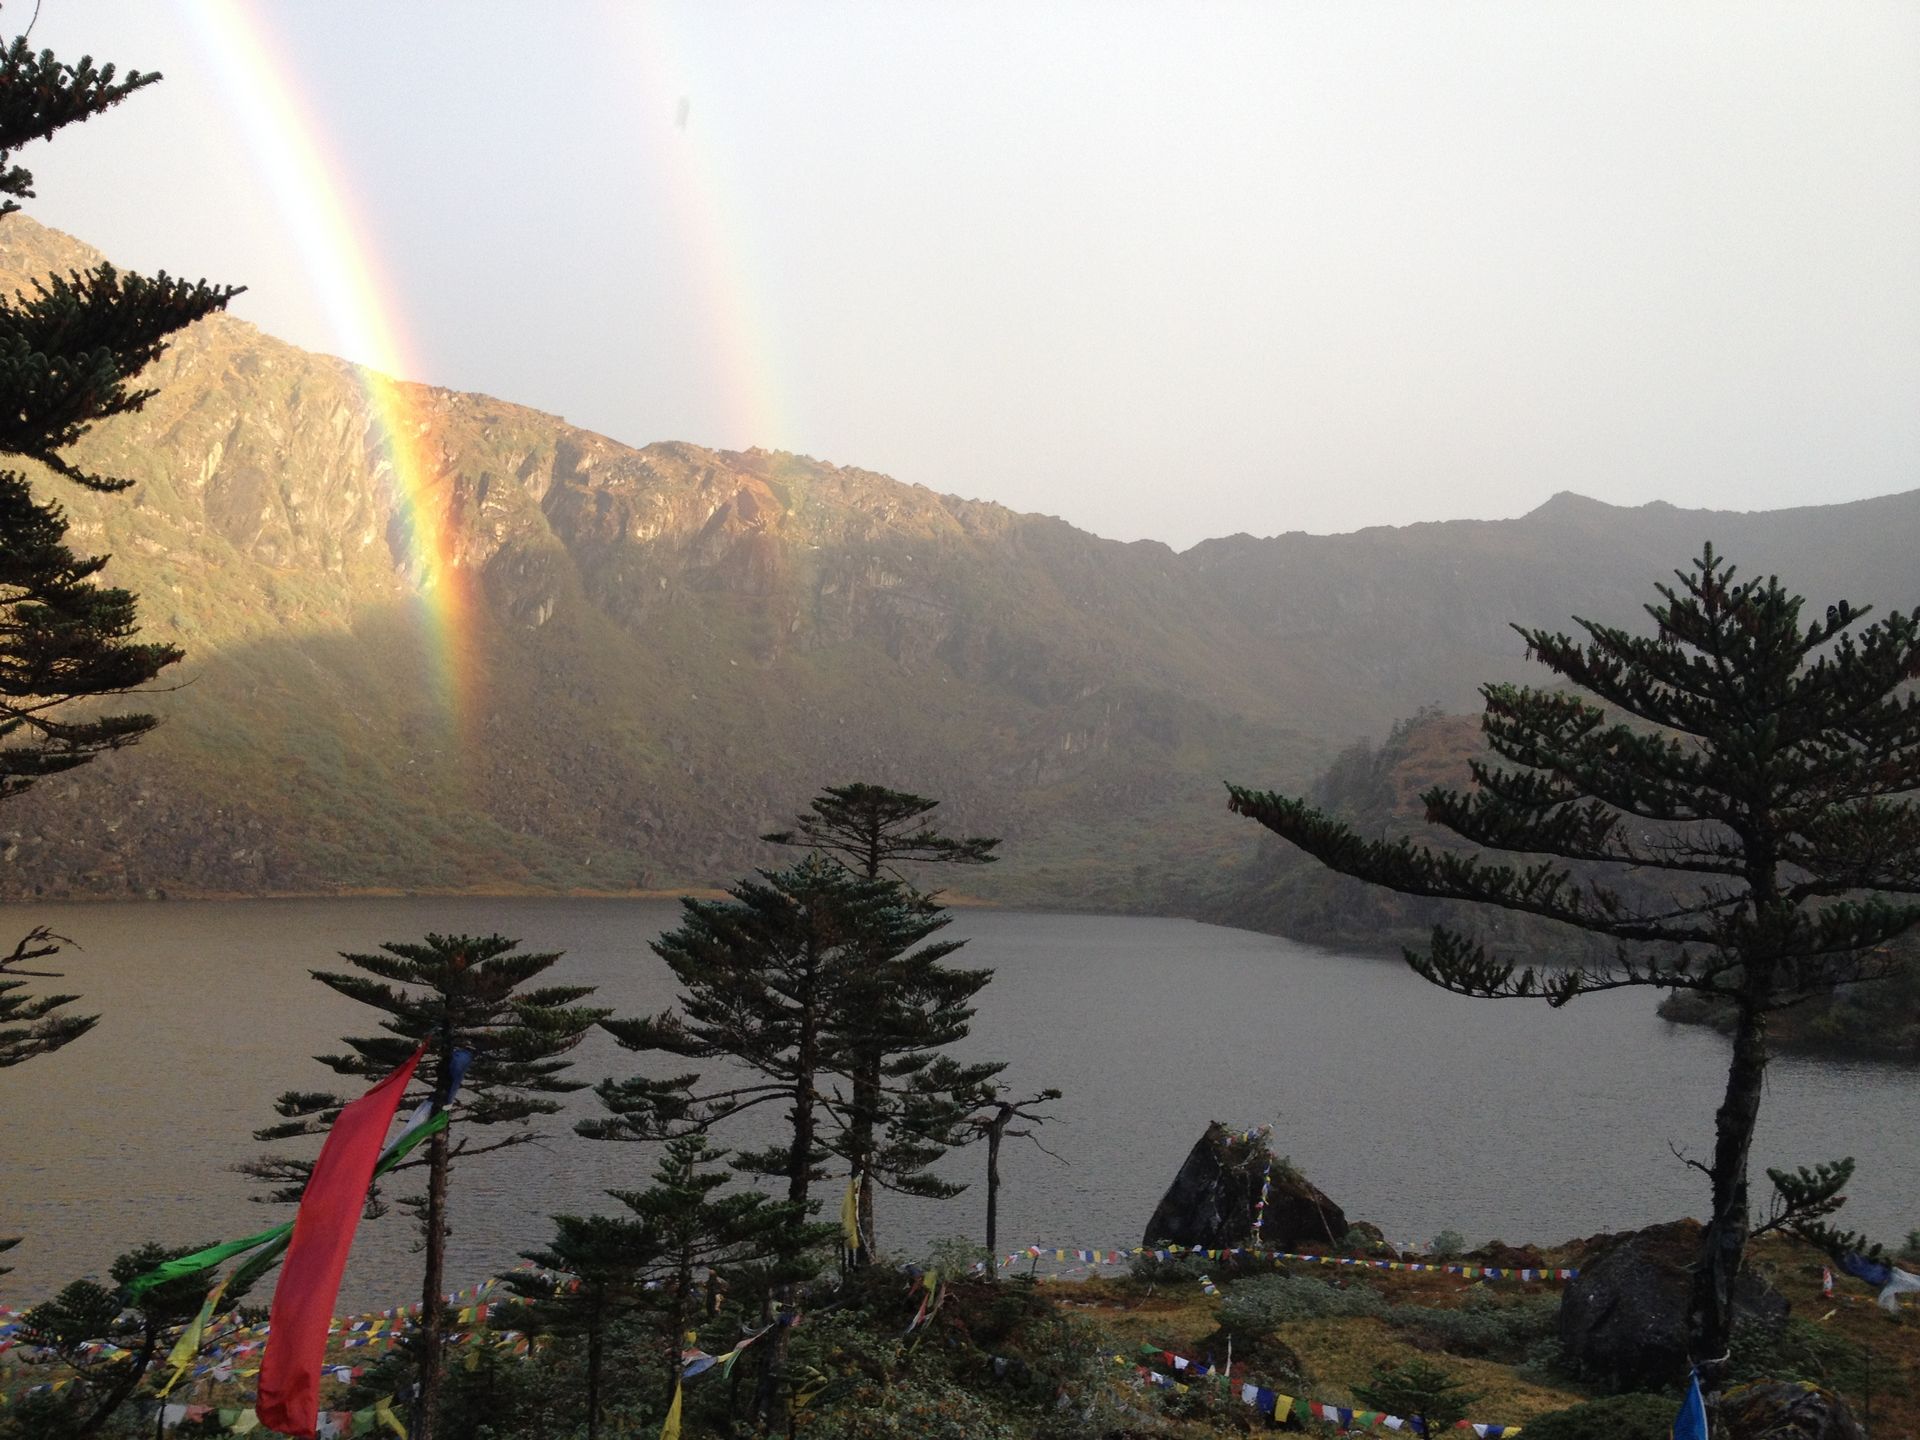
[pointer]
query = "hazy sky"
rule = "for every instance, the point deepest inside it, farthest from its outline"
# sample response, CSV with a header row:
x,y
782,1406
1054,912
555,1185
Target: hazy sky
x,y
1167,270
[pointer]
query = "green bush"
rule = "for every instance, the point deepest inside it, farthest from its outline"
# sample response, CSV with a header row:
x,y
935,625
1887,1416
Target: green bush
x,y
911,1407
1147,1269
1795,1349
1418,1390
1484,1326
1264,1303
1618,1417
1447,1244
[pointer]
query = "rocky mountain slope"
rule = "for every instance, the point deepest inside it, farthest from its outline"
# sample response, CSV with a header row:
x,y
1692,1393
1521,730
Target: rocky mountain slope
x,y
671,648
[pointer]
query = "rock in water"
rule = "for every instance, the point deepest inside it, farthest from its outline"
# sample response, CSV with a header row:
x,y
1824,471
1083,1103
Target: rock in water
x,y
1212,1201
1623,1321
1786,1410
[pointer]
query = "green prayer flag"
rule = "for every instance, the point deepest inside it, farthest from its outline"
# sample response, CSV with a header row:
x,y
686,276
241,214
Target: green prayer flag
x,y
215,1254
202,1260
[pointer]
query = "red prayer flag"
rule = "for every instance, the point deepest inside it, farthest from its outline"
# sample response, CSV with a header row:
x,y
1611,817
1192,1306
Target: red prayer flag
x,y
317,1256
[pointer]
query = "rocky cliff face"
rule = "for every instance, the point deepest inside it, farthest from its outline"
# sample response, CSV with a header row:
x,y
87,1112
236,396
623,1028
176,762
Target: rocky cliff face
x,y
671,648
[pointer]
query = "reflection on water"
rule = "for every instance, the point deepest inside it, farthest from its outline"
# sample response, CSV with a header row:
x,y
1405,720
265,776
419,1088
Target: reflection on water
x,y
1413,1108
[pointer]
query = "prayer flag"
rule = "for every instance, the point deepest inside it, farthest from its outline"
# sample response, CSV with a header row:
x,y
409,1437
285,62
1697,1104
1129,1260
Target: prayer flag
x,y
850,1217
317,1256
671,1430
1901,1283
1691,1422
187,1348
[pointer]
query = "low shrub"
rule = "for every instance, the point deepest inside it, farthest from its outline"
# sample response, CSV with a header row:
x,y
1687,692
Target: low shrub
x,y
1618,1417
1484,1326
910,1407
1795,1349
1264,1303
1416,1389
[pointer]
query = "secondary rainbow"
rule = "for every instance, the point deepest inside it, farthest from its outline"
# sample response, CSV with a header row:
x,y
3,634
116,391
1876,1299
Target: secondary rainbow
x,y
315,202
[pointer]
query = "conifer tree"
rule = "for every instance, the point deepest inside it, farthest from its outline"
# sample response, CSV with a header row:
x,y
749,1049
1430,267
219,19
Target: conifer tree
x,y
872,830
68,356
774,979
29,1024
454,994
594,1272
106,1346
778,980
652,1260
704,1232
1731,816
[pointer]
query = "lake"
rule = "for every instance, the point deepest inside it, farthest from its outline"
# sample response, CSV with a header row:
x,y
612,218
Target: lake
x,y
1415,1109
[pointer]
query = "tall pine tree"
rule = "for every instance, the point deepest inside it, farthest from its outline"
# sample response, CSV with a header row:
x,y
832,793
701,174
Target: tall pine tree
x,y
873,831
1731,816
461,996
778,980
68,356
69,353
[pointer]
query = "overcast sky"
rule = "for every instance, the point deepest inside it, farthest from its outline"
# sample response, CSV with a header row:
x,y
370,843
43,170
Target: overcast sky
x,y
1166,270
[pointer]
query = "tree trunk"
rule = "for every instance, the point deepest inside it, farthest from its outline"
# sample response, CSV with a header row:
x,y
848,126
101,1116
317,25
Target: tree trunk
x,y
596,1343
1723,1245
799,1182
866,1102
432,1284
680,1317
993,1189
127,1384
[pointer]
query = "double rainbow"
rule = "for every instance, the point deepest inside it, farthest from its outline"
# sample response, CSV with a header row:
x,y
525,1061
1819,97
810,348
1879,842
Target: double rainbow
x,y
316,203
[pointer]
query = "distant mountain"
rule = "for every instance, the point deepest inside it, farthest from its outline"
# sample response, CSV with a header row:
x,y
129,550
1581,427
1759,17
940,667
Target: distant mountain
x,y
676,646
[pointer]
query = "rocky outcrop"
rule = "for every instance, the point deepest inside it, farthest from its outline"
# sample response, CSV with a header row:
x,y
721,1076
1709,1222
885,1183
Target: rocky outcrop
x,y
1212,1201
1623,1321
1785,1410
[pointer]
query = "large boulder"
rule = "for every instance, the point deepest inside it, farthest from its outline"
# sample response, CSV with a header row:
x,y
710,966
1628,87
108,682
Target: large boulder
x,y
1786,1410
1212,1202
1623,1320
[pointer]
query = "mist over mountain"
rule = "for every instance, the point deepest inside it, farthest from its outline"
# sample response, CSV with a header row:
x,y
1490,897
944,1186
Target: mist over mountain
x,y
673,647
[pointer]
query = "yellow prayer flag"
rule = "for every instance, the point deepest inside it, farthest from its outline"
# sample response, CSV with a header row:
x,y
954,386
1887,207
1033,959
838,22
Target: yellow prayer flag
x,y
671,1430
850,1213
383,1414
187,1348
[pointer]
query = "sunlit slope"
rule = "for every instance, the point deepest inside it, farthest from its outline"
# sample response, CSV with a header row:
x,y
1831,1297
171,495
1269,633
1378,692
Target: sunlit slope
x,y
672,647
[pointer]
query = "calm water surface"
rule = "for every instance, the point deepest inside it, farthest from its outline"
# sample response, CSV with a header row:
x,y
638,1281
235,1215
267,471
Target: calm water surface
x,y
1413,1108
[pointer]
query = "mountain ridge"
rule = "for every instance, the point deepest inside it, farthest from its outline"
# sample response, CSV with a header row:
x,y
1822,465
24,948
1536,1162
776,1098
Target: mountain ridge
x,y
675,646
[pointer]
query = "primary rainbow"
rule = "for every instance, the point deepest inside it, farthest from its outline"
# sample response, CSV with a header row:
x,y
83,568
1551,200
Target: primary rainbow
x,y
315,201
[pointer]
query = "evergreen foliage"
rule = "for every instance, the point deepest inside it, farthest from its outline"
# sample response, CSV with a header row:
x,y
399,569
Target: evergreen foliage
x,y
871,829
69,353
107,1347
1756,770
593,1273
679,1233
1420,1391
782,980
29,1025
918,1007
449,993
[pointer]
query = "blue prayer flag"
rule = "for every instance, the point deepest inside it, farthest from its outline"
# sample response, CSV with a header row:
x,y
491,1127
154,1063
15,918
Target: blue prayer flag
x,y
1691,1422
